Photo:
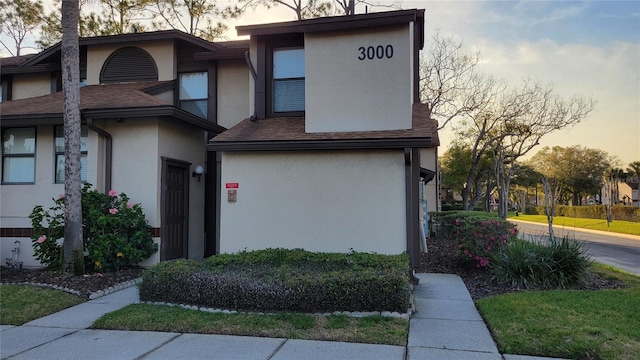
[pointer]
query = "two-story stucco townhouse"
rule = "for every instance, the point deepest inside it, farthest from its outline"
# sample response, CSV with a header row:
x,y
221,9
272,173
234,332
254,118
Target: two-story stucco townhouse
x,y
330,160
329,157
149,103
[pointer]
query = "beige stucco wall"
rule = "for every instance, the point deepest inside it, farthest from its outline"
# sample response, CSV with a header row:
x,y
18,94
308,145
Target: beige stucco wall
x,y
30,85
331,201
186,144
233,92
161,51
17,201
344,93
135,163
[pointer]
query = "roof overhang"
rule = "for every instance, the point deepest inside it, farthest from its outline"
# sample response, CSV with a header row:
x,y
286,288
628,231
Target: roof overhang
x,y
113,113
302,145
332,23
124,38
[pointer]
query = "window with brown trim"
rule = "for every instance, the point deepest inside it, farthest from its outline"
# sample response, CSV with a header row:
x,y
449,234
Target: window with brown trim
x,y
59,154
288,80
193,93
281,64
19,155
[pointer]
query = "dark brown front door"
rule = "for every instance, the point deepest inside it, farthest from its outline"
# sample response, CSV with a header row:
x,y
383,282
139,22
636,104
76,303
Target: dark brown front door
x,y
175,209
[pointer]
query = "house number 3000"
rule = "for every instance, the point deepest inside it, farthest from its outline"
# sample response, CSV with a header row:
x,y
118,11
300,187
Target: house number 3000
x,y
375,52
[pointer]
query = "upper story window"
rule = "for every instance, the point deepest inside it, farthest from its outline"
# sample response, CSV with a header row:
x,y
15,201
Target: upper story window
x,y
193,93
288,80
5,89
59,153
19,156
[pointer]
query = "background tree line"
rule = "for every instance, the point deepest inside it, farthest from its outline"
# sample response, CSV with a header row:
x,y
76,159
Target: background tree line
x,y
202,18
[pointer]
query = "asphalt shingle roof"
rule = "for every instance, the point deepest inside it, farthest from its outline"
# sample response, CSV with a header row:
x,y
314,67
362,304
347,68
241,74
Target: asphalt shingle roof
x,y
293,129
110,96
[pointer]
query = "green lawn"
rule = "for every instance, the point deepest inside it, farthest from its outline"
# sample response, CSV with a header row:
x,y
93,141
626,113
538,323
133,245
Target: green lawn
x,y
372,329
20,304
617,226
585,324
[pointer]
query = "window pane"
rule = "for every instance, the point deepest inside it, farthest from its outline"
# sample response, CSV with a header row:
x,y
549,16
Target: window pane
x,y
19,169
59,138
288,63
288,95
60,168
193,86
196,107
19,141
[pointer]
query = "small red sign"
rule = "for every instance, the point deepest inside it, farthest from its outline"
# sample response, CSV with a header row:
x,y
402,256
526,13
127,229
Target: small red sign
x,y
232,185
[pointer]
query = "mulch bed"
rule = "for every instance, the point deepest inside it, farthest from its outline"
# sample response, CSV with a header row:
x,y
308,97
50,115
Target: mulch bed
x,y
85,284
440,258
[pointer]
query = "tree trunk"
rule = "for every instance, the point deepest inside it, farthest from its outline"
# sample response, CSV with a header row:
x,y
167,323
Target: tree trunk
x,y
73,246
549,205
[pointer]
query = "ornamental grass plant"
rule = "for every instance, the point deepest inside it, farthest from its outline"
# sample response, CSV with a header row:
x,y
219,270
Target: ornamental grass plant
x,y
547,265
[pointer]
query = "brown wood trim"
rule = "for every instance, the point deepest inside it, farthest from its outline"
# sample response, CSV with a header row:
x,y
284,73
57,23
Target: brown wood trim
x,y
333,23
342,144
260,82
212,93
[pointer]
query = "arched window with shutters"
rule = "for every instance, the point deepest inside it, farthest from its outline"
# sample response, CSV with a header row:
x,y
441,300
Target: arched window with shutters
x,y
128,64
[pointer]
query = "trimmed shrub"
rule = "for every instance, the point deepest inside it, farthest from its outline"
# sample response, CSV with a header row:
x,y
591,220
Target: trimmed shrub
x,y
284,280
479,237
115,232
619,212
443,222
558,264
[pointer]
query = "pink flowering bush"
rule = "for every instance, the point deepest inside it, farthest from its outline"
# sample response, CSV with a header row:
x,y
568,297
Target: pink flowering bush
x,y
479,238
115,232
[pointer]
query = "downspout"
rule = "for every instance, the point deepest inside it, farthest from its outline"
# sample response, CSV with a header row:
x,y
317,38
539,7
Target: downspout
x,y
108,161
408,184
247,58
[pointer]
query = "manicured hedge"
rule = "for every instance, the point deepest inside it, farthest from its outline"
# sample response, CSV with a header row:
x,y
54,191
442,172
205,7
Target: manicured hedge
x,y
283,280
618,212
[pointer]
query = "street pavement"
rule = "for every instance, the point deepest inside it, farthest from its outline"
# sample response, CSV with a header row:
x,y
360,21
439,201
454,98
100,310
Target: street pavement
x,y
619,250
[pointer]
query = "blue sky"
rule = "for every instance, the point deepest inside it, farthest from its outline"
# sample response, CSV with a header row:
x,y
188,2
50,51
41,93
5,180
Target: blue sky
x,y
592,22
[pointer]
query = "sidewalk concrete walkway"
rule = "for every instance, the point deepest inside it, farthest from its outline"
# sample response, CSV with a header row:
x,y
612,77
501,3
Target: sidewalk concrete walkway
x,y
446,325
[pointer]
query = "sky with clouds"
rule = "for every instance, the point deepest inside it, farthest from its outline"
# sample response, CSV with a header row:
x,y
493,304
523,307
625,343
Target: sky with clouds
x,y
590,48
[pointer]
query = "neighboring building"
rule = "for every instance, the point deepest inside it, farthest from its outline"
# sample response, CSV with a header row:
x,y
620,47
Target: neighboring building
x,y
624,193
150,103
329,156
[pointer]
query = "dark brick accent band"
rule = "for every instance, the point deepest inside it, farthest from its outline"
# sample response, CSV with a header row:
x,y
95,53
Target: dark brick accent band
x,y
27,232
